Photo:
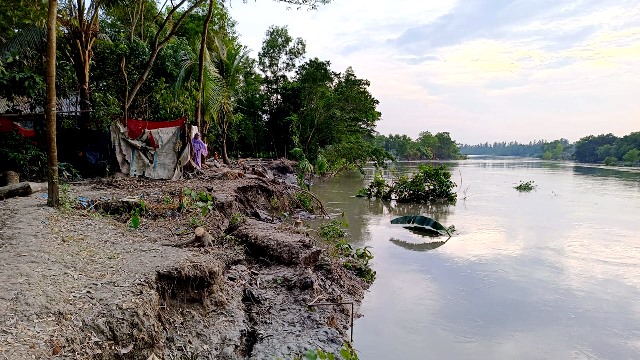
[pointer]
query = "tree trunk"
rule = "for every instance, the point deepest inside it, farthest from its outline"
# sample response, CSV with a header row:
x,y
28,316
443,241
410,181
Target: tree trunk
x,y
203,46
50,111
83,88
225,157
159,45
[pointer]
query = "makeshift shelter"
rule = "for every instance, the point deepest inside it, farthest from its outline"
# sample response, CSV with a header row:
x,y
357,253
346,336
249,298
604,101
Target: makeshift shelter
x,y
153,149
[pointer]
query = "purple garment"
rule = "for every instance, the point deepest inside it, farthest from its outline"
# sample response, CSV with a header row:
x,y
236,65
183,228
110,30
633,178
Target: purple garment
x,y
199,149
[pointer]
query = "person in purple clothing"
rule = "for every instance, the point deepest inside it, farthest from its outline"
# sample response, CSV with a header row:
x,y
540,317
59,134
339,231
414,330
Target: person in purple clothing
x,y
199,149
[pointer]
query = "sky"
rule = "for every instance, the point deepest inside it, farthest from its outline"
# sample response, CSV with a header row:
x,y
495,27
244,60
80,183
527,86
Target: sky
x,y
483,70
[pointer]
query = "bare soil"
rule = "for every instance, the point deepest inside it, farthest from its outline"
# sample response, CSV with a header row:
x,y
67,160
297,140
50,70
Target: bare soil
x,y
82,283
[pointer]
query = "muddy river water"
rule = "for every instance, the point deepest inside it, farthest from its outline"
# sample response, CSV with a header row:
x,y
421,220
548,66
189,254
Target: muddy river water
x,y
550,274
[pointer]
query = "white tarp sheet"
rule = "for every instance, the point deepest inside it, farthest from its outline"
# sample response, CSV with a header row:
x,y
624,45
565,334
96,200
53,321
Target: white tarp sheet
x,y
136,158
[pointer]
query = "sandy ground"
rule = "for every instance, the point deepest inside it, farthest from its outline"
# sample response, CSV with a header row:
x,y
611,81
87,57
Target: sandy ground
x,y
83,284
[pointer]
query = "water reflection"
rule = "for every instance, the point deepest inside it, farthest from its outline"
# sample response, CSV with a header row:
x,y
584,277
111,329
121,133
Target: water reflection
x,y
393,208
608,172
425,246
549,274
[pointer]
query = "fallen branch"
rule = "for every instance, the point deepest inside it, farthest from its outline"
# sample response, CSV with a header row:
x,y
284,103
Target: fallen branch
x,y
19,189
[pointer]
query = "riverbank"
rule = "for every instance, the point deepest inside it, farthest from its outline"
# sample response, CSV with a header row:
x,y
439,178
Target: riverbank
x,y
105,279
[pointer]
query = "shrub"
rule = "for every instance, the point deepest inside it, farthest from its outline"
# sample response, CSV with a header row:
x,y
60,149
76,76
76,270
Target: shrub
x,y
429,184
610,161
23,156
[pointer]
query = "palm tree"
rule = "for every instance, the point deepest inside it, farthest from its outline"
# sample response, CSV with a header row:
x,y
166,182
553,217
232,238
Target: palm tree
x,y
223,62
229,59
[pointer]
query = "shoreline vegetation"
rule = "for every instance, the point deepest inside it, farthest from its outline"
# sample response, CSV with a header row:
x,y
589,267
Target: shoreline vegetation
x,y
604,149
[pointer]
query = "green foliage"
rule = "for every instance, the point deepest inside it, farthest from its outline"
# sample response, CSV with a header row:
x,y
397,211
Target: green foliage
x,y
632,156
429,184
201,200
378,188
333,229
22,156
195,222
237,219
67,202
525,186
134,221
321,165
305,200
610,161
554,150
346,353
355,260
426,147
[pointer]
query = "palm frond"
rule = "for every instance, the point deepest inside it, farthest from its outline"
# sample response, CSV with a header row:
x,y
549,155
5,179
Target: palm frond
x,y
32,37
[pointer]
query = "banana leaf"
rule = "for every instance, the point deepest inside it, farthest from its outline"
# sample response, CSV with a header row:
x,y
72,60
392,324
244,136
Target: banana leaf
x,y
421,223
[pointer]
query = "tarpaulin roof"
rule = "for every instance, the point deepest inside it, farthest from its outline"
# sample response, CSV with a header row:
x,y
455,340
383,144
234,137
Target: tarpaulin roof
x,y
135,128
7,125
162,159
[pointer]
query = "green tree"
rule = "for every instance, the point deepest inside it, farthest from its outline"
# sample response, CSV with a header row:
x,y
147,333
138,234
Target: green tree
x,y
632,156
586,147
228,59
278,59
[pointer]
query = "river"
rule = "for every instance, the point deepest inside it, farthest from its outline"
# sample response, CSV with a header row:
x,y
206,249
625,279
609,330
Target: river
x,y
550,274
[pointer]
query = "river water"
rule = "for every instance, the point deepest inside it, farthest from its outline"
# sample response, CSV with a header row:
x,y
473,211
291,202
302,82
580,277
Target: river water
x,y
550,274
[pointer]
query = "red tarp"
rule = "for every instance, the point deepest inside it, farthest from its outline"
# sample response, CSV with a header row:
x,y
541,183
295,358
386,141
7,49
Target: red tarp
x,y
7,125
137,127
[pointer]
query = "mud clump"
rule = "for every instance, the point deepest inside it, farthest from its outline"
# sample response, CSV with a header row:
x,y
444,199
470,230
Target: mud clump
x,y
190,283
265,242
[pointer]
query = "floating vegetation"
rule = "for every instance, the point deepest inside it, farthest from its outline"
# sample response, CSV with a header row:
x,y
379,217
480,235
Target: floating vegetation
x,y
525,186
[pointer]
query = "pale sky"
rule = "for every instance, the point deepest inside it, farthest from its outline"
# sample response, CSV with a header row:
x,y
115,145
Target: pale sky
x,y
484,70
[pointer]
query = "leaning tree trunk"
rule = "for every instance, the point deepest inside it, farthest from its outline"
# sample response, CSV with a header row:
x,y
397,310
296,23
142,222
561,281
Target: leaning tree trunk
x,y
225,157
203,46
83,87
50,111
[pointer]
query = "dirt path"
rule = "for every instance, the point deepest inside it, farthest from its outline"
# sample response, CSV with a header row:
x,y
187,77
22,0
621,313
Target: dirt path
x,y
82,284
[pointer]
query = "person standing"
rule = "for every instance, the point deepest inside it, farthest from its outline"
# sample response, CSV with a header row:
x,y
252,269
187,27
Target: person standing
x,y
199,149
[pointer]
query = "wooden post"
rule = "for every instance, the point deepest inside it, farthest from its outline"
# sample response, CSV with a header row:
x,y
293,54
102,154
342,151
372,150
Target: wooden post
x,y
50,108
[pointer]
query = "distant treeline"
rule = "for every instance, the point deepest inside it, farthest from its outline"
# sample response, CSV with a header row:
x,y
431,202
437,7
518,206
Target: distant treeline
x,y
557,149
426,147
608,149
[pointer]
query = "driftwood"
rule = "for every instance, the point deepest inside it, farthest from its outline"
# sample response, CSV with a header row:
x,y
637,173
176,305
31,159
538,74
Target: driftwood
x,y
201,238
19,189
38,187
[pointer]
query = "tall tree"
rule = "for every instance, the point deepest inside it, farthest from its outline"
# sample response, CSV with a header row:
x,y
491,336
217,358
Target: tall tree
x,y
277,60
50,109
203,46
228,58
80,21
166,31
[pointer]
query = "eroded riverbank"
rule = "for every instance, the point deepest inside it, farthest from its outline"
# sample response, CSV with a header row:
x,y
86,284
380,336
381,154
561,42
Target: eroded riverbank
x,y
85,283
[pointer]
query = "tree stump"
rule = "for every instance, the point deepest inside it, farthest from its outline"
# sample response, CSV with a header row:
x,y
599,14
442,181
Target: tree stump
x,y
201,238
9,178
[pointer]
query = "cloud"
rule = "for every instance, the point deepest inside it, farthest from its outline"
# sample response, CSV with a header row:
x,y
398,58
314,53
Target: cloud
x,y
472,67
